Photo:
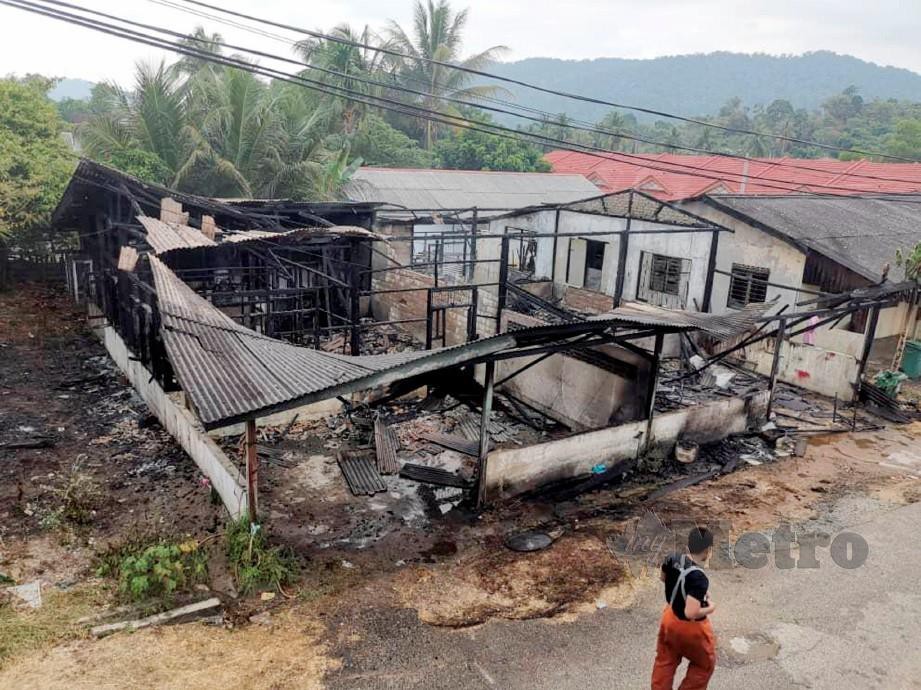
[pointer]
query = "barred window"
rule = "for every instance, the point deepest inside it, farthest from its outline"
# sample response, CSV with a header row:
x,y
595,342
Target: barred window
x,y
748,284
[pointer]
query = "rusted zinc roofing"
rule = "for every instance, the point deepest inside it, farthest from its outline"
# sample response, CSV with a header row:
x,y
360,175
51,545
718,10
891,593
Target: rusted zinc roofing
x,y
164,237
720,326
127,259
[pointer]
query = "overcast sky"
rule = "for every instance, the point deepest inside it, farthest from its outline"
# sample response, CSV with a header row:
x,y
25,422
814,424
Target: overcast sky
x,y
882,31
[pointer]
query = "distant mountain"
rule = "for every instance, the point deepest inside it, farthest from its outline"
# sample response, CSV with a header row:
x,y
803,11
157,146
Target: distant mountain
x,y
700,84
71,88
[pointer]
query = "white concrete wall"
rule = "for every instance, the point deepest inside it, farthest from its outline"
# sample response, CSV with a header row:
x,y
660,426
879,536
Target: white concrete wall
x,y
813,368
179,422
578,394
747,245
513,471
694,246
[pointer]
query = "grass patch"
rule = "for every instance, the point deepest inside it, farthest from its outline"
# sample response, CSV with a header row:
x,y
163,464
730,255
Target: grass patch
x,y
56,621
255,564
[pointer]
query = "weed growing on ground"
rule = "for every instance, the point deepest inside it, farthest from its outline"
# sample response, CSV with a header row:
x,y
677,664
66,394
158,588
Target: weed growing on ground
x,y
255,564
77,496
160,568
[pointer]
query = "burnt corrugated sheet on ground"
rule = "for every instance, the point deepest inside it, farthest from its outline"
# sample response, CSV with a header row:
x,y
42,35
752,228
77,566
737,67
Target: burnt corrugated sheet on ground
x,y
432,475
453,442
361,474
385,446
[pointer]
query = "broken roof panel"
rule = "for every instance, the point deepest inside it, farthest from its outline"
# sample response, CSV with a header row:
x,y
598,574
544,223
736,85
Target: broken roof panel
x,y
164,237
127,259
721,326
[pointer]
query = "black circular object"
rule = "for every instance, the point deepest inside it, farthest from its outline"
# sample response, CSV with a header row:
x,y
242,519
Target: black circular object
x,y
528,541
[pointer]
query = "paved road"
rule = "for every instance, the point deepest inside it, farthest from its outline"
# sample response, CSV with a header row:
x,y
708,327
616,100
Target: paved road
x,y
814,628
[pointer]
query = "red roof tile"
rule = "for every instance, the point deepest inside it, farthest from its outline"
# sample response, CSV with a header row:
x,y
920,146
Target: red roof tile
x,y
670,177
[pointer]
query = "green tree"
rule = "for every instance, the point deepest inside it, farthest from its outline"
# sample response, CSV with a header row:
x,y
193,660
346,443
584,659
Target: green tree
x,y
35,161
346,66
478,150
905,141
151,118
437,34
377,143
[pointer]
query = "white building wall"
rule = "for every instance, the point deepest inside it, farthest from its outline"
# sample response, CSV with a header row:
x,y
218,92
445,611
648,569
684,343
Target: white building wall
x,y
747,245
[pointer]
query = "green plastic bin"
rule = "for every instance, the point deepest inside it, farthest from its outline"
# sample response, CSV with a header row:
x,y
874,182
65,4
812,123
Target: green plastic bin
x,y
911,360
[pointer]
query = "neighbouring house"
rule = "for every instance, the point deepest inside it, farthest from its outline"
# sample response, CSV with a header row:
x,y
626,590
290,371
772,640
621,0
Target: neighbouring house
x,y
794,248
673,177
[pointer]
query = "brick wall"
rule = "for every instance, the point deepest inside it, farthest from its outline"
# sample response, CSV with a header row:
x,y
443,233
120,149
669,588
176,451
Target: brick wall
x,y
584,300
397,306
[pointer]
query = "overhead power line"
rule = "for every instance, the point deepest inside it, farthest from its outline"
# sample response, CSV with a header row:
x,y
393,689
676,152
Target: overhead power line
x,y
539,116
543,89
377,101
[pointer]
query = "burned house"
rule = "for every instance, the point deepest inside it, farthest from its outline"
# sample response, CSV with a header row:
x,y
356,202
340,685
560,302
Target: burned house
x,y
230,315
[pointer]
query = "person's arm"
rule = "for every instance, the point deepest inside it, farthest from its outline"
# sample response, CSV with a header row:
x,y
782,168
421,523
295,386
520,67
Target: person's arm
x,y
694,609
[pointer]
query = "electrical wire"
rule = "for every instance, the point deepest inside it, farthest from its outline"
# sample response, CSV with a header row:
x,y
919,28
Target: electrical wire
x,y
377,101
538,116
394,105
535,87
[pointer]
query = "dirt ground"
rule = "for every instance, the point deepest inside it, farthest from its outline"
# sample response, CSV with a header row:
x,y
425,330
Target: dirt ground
x,y
397,551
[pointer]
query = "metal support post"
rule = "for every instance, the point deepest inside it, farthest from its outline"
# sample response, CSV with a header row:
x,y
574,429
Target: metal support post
x,y
775,363
503,283
651,387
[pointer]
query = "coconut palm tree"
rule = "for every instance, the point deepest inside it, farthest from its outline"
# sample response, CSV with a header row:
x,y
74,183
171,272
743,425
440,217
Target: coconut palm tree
x,y
436,38
347,66
151,117
203,42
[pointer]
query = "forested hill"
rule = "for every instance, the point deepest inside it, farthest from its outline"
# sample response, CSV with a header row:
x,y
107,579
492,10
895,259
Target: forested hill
x,y
701,84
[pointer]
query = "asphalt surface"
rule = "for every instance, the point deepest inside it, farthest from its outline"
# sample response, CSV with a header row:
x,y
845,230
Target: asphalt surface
x,y
825,627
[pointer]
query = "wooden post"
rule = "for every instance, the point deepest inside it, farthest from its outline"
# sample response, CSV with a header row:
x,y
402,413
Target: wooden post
x,y
867,347
484,433
711,270
503,283
775,363
252,471
355,300
651,387
622,247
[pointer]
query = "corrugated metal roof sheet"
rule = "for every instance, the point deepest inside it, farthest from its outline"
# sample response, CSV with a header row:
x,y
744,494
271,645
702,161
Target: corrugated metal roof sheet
x,y
298,234
164,237
719,325
461,189
860,233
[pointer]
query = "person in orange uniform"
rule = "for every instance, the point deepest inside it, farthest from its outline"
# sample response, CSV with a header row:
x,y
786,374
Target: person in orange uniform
x,y
685,631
